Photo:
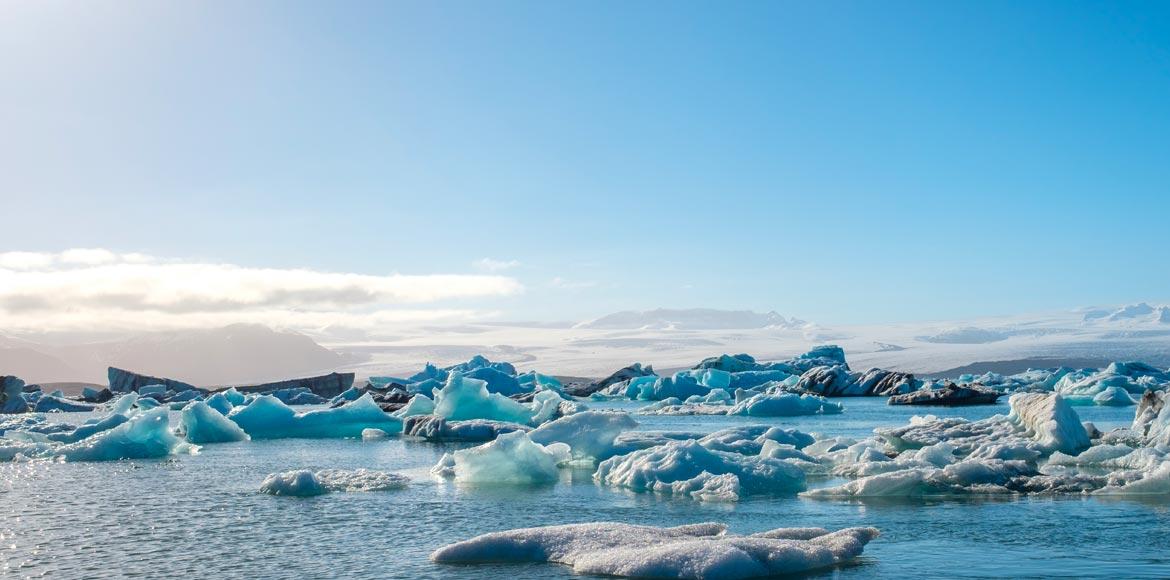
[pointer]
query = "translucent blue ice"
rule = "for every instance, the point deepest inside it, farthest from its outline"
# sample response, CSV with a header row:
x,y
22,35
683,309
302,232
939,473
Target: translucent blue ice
x,y
268,418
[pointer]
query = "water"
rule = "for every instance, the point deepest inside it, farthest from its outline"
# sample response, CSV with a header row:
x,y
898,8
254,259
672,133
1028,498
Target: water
x,y
202,516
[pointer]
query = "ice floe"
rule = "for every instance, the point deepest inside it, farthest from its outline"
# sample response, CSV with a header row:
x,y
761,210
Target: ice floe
x,y
696,551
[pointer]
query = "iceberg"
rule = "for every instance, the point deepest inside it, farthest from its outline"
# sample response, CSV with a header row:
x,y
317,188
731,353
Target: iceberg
x,y
590,434
123,381
12,395
497,381
656,469
202,424
268,418
512,458
696,551
1047,418
781,404
145,435
435,428
465,398
305,483
419,404
751,439
53,404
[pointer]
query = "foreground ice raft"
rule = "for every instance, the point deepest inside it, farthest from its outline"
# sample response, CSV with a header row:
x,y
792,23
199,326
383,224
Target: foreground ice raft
x,y
268,418
698,551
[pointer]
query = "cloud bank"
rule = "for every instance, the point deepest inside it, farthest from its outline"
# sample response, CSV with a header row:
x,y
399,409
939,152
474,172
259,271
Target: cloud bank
x,y
94,289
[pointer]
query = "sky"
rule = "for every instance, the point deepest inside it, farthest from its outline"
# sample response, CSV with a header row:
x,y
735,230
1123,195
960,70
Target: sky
x,y
843,162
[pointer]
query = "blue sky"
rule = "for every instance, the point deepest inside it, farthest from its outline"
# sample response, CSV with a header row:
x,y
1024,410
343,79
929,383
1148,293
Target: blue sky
x,y
843,162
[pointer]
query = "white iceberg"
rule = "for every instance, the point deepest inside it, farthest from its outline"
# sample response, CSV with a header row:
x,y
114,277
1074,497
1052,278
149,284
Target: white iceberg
x,y
512,459
657,469
780,404
590,435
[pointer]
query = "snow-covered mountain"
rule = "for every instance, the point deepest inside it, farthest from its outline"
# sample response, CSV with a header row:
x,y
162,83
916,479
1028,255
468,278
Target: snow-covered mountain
x,y
690,319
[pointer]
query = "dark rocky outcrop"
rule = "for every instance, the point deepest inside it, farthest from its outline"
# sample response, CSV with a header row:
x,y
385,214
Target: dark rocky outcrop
x,y
883,383
623,374
950,395
327,386
827,381
124,381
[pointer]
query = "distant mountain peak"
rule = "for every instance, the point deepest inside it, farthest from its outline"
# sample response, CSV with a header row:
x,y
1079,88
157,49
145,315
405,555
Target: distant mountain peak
x,y
1137,313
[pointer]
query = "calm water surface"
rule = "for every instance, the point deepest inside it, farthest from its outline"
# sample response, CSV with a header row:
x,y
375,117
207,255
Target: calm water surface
x,y
201,516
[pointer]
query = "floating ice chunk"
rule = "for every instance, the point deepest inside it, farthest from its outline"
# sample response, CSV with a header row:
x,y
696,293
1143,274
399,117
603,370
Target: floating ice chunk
x,y
350,394
220,403
498,381
52,404
90,429
268,418
301,483
590,434
152,390
374,434
715,397
143,436
435,428
1155,482
698,551
419,404
1048,419
305,483
785,405
202,424
511,458
657,468
986,476
708,487
1114,397
12,395
122,405
464,398
750,439
235,397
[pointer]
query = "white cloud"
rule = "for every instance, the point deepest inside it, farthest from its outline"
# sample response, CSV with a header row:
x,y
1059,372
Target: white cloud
x,y
80,288
25,260
490,265
88,256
